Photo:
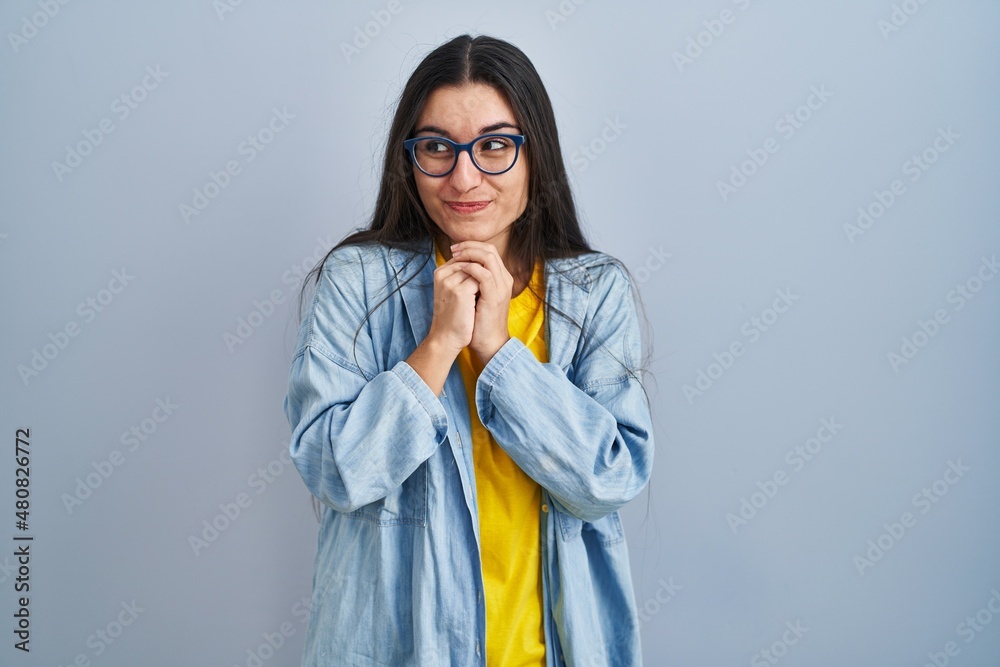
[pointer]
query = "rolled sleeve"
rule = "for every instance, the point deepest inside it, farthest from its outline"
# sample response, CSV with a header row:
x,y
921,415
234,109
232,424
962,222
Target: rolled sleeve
x,y
431,403
357,434
589,444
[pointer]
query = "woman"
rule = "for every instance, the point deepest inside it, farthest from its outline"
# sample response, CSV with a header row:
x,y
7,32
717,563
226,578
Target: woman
x,y
464,398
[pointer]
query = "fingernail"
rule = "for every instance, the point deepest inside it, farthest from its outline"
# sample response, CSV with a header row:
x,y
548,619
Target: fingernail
x,y
454,245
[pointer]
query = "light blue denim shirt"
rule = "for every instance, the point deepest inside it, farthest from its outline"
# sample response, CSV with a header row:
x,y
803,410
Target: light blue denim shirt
x,y
397,577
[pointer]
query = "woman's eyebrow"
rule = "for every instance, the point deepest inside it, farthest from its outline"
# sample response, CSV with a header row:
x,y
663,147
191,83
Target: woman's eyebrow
x,y
484,130
498,126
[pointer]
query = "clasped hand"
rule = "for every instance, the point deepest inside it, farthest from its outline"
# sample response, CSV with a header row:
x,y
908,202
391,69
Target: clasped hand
x,y
472,293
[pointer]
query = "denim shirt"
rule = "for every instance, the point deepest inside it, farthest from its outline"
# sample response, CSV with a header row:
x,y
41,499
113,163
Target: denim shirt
x,y
397,578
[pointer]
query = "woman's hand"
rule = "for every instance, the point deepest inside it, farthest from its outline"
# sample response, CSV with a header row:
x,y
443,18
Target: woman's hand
x,y
483,264
454,306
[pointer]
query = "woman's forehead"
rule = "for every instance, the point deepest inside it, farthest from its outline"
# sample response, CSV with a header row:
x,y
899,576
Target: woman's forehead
x,y
468,108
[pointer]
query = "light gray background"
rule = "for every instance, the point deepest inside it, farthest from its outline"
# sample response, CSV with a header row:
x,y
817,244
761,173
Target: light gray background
x,y
710,595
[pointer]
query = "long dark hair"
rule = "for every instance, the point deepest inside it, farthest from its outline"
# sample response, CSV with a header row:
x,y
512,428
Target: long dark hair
x,y
547,229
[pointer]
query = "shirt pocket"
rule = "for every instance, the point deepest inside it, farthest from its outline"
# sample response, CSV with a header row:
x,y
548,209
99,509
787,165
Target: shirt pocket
x,y
404,506
607,530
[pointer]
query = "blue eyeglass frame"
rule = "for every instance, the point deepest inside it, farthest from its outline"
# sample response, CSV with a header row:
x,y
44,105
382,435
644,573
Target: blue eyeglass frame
x,y
518,140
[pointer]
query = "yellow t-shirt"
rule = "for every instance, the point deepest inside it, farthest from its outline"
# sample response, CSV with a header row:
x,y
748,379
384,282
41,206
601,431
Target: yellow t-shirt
x,y
509,505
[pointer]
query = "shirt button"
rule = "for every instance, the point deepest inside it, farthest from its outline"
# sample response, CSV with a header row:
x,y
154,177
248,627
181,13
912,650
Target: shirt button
x,y
545,508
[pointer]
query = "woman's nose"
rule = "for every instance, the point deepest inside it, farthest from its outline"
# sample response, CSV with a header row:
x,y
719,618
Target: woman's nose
x,y
465,175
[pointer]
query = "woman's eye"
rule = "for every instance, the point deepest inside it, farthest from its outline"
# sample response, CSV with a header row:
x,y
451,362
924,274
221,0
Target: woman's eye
x,y
435,146
495,144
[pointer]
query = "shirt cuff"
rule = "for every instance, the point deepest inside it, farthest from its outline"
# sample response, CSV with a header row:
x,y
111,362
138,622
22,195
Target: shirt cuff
x,y
496,366
431,403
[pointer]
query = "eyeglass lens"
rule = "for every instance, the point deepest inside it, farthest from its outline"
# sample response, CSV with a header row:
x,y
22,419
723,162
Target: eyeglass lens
x,y
491,154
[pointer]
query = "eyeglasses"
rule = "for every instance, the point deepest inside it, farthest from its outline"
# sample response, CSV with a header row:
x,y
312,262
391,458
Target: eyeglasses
x,y
491,153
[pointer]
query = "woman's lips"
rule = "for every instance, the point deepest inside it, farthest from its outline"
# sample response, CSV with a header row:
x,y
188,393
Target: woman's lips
x,y
467,206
